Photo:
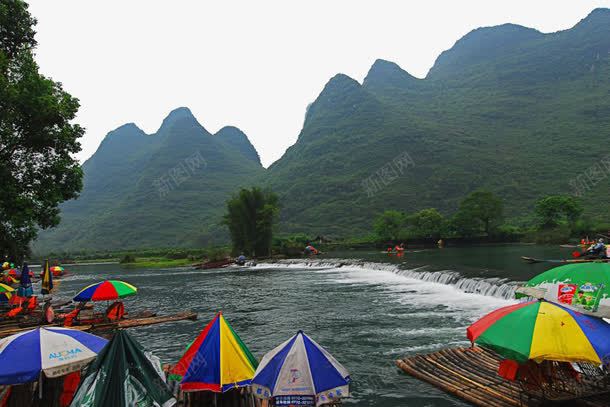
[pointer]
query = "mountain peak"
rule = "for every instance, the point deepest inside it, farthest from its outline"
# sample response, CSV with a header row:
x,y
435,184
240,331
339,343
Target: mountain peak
x,y
386,73
599,17
238,140
230,129
339,90
383,66
340,82
598,13
177,115
126,130
480,45
181,111
120,141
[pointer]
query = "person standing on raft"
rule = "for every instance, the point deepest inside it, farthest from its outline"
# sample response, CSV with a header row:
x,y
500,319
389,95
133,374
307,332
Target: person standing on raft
x,y
241,260
309,250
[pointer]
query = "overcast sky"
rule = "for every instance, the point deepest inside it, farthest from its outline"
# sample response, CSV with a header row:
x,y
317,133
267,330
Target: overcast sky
x,y
252,64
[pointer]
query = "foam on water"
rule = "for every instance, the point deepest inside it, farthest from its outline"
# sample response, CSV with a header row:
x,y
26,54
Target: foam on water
x,y
369,272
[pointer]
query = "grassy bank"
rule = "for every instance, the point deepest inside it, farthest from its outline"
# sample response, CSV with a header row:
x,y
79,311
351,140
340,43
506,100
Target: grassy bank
x,y
145,258
158,262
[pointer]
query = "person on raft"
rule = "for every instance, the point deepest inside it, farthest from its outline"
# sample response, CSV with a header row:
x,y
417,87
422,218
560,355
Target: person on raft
x,y
400,247
597,250
241,260
309,250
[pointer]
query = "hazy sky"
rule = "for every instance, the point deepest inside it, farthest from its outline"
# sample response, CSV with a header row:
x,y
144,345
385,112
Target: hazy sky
x,y
252,64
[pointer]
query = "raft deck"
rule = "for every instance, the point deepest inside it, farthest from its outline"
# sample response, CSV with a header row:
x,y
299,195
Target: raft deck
x,y
108,326
471,374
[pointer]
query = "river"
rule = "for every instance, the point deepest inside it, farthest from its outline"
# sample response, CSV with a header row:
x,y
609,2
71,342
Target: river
x,y
365,307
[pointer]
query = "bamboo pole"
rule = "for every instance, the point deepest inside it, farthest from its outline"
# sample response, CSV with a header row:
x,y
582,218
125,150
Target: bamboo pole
x,y
449,387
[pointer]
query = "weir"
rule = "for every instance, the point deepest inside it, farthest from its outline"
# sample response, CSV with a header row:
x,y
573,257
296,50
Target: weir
x,y
491,287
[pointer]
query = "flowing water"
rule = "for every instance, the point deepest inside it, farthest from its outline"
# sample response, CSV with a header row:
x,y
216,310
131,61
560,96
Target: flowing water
x,y
366,308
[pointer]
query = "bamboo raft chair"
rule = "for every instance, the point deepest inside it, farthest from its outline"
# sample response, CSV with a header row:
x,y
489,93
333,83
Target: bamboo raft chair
x,y
472,375
233,398
563,382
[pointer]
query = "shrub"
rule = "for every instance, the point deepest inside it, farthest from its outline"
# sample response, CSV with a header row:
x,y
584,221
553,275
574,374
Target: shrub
x,y
128,258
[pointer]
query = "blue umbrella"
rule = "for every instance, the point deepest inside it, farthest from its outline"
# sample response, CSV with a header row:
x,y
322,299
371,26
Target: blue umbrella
x,y
25,283
54,351
300,370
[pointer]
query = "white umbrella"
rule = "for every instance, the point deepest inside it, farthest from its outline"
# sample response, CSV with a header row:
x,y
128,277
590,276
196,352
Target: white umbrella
x,y
52,351
300,370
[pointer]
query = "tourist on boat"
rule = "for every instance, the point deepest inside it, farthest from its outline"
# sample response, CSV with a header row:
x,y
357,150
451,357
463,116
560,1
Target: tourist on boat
x,y
597,250
400,247
241,260
309,250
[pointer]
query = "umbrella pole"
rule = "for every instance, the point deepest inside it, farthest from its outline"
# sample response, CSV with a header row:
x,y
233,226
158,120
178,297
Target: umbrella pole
x,y
215,395
40,386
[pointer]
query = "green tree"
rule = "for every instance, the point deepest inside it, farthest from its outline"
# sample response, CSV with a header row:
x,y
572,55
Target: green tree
x,y
554,210
389,225
427,223
37,138
481,211
250,217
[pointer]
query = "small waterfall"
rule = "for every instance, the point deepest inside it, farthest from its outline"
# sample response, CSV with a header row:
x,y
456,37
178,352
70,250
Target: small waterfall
x,y
492,286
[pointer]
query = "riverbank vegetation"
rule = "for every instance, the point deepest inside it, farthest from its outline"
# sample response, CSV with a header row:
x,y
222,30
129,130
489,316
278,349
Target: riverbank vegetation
x,y
172,257
555,219
478,220
250,217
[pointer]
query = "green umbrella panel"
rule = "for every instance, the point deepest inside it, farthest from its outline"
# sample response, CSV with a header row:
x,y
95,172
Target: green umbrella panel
x,y
583,287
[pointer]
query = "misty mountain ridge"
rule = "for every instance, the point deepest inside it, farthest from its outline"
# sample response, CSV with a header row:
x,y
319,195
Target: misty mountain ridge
x,y
507,108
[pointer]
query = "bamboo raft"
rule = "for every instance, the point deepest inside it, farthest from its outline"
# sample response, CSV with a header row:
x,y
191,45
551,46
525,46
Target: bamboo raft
x,y
214,264
472,375
109,326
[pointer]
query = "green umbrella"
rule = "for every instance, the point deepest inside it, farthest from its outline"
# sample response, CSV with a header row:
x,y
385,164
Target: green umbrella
x,y
123,375
583,287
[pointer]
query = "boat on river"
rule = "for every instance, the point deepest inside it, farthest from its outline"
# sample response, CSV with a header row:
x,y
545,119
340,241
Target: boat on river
x,y
214,264
561,261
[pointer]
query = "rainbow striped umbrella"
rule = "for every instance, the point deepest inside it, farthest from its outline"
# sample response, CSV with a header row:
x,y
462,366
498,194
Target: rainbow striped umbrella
x,y
6,291
216,361
106,291
541,330
57,271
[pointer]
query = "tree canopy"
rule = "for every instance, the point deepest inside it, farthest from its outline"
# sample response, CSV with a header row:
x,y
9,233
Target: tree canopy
x,y
427,223
556,209
481,211
250,217
37,137
389,225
